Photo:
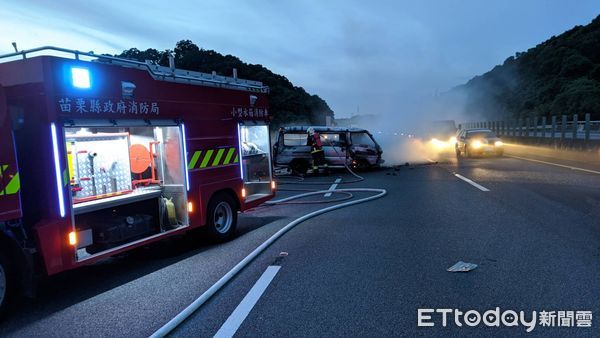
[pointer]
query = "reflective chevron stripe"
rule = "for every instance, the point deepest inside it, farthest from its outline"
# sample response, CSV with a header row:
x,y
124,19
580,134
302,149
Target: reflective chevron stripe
x,y
229,155
218,157
211,158
13,186
206,158
194,159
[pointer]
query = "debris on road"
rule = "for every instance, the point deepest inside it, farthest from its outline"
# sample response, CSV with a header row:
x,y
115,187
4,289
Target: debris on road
x,y
462,267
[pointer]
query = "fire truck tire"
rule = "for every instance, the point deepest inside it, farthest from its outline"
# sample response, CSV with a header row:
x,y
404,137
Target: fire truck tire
x,y
6,283
221,217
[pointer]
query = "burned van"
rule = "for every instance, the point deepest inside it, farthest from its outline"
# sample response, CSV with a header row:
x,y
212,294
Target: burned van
x,y
354,147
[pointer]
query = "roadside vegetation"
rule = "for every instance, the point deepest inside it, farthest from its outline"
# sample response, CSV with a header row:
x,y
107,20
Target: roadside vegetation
x,y
558,76
288,103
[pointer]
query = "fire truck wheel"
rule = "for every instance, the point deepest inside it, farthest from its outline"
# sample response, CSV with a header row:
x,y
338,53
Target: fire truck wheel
x,y
6,282
222,217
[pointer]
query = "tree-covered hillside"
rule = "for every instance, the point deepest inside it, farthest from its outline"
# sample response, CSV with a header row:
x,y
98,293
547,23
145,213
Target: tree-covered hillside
x,y
559,76
288,104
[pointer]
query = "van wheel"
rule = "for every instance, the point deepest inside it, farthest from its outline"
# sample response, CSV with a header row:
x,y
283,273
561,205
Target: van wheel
x,y
362,165
221,217
6,283
299,167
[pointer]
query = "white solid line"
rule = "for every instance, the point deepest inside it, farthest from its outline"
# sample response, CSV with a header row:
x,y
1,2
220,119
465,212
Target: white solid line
x,y
333,186
476,185
237,317
556,164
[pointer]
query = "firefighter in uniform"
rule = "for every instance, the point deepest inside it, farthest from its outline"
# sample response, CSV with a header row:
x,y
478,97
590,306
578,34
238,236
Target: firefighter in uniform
x,y
316,150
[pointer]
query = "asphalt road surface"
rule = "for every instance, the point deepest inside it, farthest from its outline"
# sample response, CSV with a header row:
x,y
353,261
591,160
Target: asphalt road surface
x,y
363,270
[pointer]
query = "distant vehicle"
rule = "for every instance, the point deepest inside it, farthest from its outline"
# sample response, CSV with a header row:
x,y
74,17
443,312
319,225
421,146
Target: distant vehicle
x,y
343,146
471,142
442,134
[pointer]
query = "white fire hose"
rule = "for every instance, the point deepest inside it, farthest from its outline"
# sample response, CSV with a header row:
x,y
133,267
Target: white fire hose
x,y
188,311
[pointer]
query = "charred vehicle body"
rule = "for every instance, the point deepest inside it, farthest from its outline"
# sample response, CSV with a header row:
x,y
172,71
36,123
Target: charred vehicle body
x,y
343,147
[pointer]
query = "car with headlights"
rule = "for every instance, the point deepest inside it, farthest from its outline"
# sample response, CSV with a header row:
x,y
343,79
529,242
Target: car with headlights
x,y
441,134
474,142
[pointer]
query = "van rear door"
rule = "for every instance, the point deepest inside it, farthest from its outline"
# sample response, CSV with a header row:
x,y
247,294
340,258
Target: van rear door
x,y
10,186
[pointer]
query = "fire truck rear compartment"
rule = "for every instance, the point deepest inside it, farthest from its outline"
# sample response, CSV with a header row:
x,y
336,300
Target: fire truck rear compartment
x,y
127,183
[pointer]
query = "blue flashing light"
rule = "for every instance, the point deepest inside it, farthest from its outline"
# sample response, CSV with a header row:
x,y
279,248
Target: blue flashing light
x,y
59,187
81,77
185,155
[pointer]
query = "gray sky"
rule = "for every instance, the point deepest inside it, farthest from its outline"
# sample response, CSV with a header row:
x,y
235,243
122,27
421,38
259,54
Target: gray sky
x,y
382,56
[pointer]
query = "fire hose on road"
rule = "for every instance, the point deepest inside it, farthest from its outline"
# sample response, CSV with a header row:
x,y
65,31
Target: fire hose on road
x,y
188,311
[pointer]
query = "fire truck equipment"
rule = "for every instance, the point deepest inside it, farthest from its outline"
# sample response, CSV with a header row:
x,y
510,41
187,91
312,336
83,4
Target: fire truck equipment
x,y
170,213
140,158
103,194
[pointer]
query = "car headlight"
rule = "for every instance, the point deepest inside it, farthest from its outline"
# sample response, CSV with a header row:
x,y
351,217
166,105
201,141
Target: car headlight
x,y
476,144
438,143
498,143
452,140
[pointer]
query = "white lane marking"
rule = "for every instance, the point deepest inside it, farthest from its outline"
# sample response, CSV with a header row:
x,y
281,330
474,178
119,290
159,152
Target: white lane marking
x,y
476,185
430,160
172,324
333,186
556,164
237,317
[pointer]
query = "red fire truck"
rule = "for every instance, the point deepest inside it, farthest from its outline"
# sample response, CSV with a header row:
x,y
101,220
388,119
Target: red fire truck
x,y
100,155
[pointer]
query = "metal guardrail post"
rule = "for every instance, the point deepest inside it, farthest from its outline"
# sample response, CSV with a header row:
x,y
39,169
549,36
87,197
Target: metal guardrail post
x,y
553,132
587,127
527,126
535,126
575,126
543,126
563,128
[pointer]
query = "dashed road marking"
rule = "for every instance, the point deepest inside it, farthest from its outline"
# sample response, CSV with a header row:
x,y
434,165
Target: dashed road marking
x,y
556,164
237,317
333,186
476,185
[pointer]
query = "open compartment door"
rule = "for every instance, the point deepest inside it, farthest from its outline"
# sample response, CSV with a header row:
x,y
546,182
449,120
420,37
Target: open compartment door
x,y
127,182
255,151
